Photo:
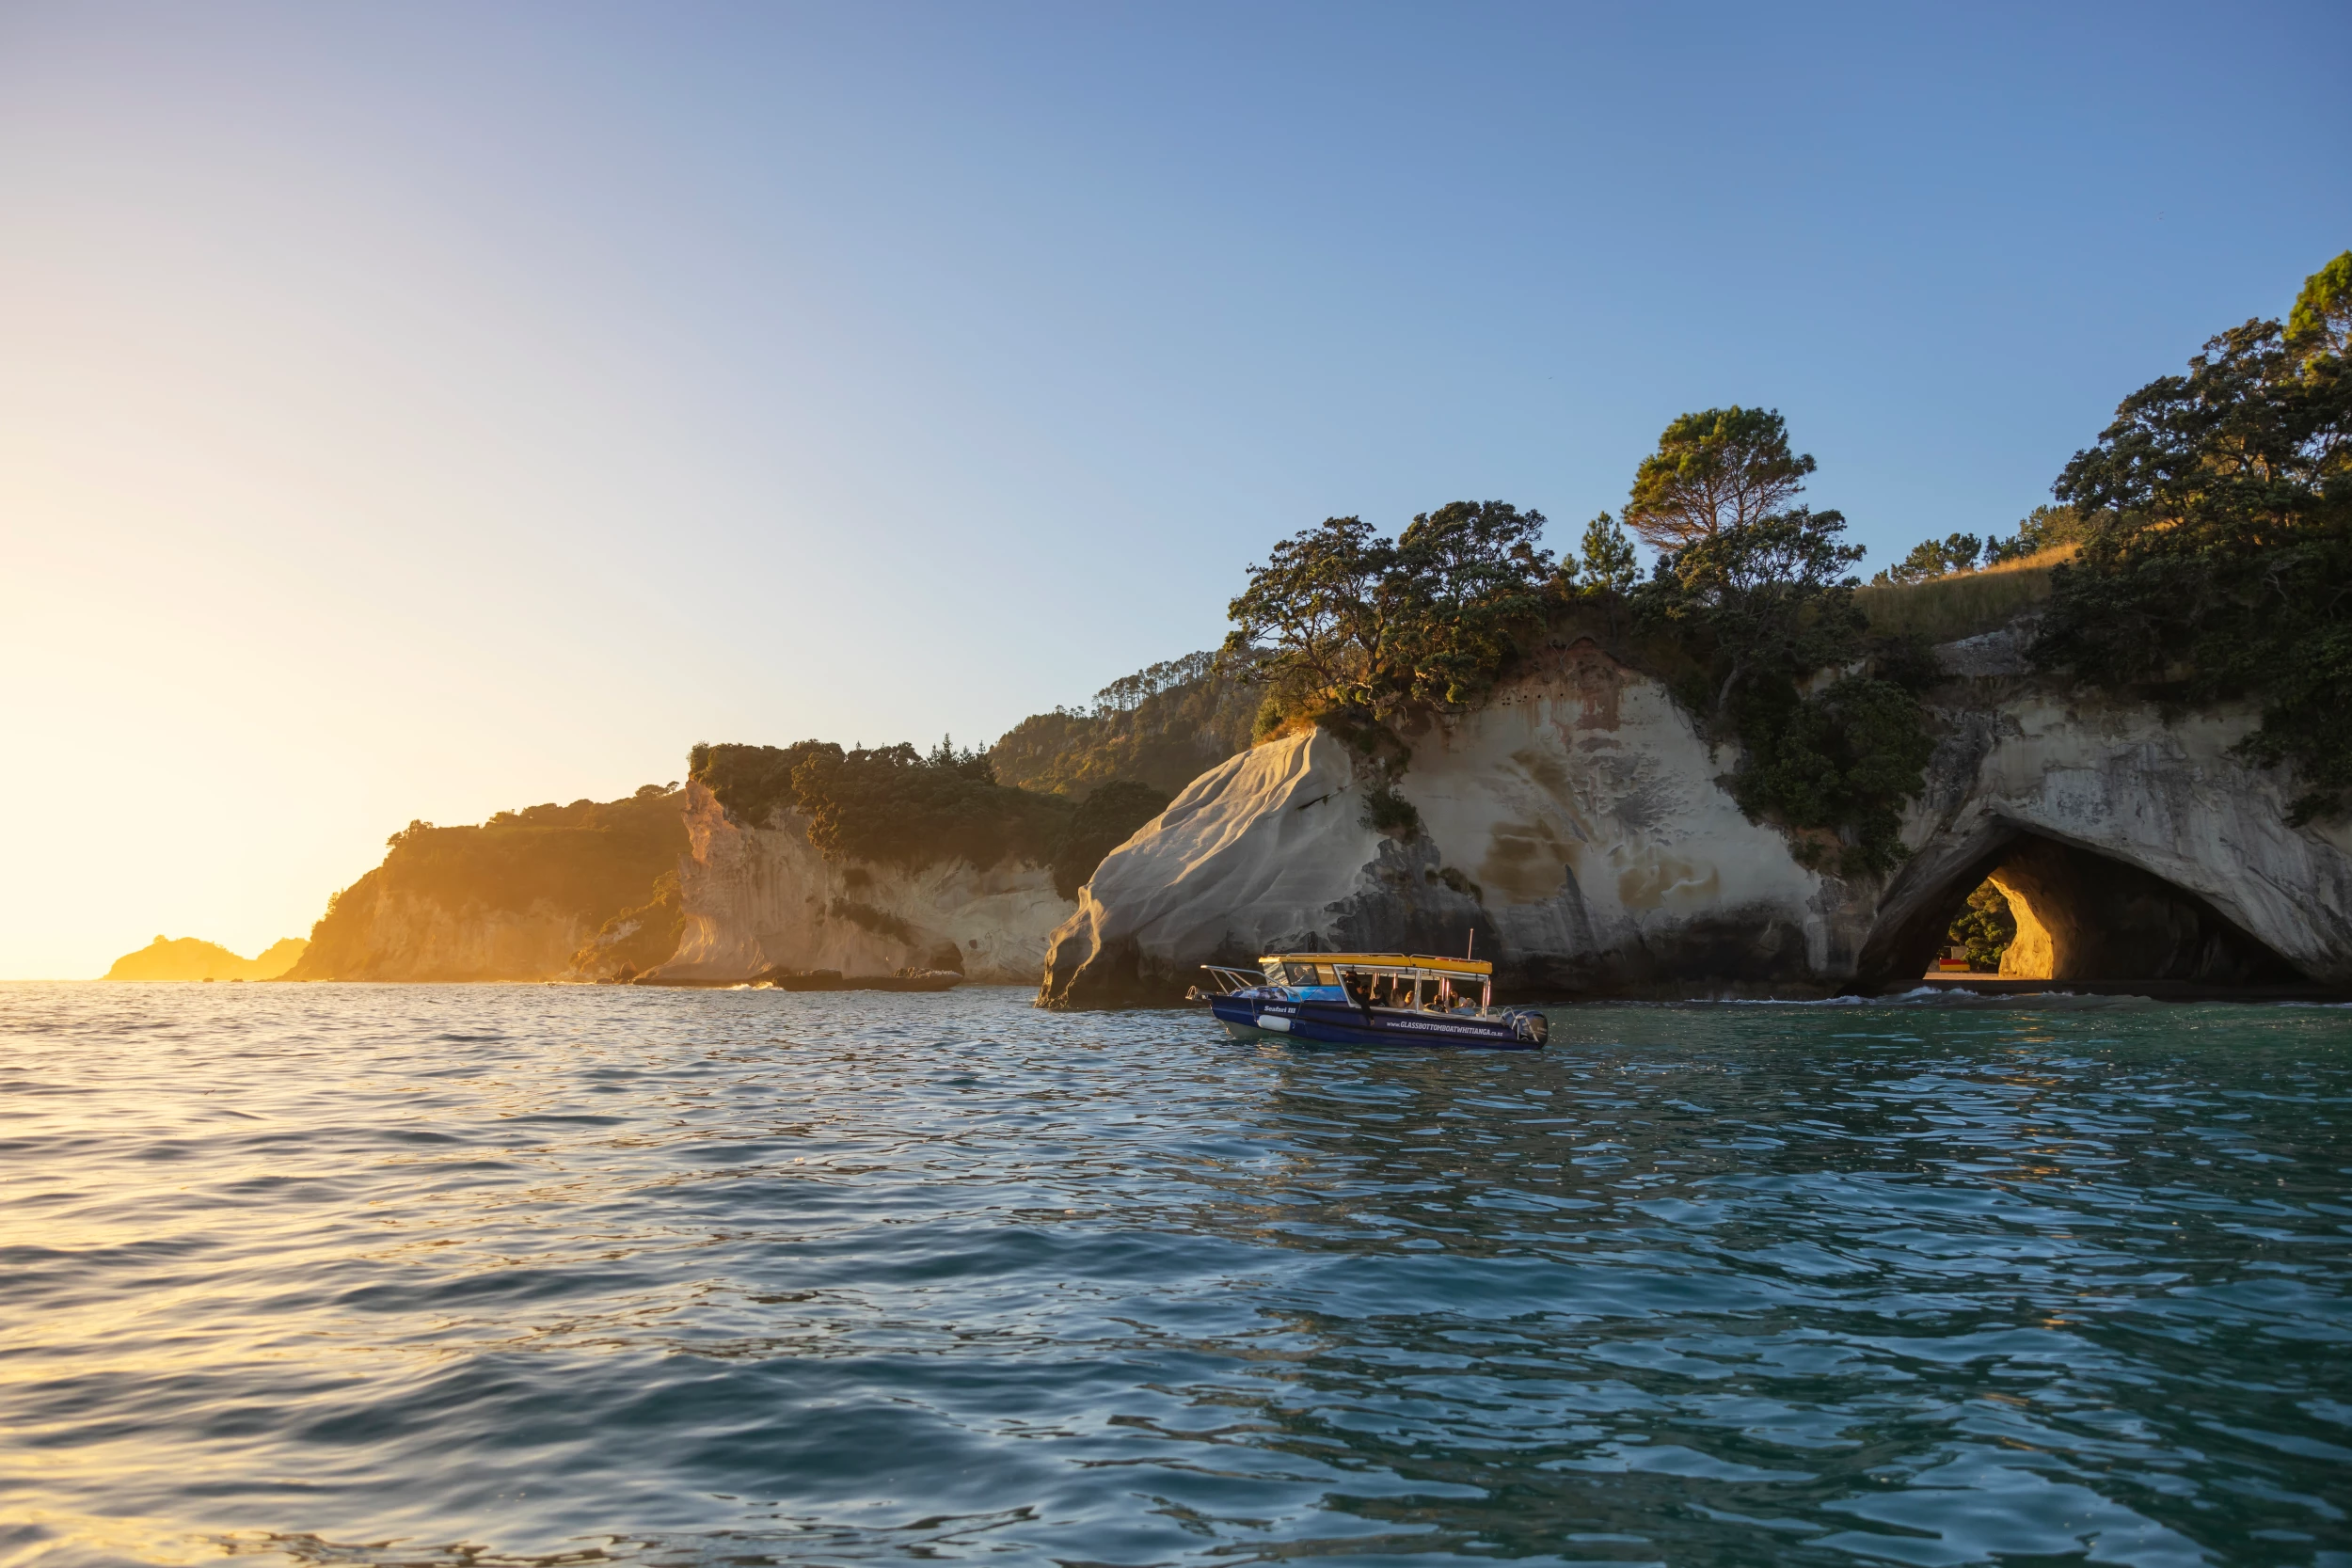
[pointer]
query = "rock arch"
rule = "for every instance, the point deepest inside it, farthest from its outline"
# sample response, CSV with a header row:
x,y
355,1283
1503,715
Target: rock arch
x,y
2081,915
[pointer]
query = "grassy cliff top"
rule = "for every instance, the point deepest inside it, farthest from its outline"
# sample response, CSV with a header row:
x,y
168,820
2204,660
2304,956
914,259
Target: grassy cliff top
x,y
1962,604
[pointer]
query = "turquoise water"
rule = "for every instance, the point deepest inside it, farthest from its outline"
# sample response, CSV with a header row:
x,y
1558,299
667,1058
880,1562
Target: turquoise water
x,y
426,1275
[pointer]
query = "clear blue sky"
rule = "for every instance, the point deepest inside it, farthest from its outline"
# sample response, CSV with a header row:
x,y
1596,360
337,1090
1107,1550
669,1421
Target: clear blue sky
x,y
416,410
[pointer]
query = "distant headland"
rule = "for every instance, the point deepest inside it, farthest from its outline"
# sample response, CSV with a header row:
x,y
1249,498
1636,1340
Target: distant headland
x,y
189,959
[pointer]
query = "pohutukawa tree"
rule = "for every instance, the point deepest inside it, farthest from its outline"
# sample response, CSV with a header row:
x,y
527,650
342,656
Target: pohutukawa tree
x,y
1348,623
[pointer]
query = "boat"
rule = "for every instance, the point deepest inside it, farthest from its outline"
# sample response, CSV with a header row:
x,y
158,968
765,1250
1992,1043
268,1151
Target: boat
x,y
1369,999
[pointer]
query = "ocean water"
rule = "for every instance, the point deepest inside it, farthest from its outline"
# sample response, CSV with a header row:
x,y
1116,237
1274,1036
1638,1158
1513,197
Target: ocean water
x,y
539,1275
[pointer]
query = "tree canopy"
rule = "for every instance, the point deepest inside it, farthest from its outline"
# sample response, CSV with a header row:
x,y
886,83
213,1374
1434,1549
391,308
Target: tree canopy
x,y
1933,558
1717,468
1342,621
1164,726
2043,528
1608,558
1770,598
2216,557
2320,321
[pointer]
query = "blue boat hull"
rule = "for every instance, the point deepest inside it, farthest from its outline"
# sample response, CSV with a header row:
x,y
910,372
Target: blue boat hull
x,y
1340,1023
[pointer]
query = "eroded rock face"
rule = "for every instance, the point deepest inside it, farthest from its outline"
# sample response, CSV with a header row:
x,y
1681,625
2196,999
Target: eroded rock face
x,y
406,936
1579,826
761,898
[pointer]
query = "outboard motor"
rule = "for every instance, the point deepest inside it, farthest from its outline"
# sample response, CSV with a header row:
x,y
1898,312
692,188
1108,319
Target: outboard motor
x,y
1529,1024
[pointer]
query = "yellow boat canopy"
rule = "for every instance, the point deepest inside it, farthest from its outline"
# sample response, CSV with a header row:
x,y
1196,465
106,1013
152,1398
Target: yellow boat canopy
x,y
1399,962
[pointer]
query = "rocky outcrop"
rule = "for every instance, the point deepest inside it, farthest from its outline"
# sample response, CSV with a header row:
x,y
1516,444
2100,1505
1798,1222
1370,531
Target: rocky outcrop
x,y
1579,825
756,898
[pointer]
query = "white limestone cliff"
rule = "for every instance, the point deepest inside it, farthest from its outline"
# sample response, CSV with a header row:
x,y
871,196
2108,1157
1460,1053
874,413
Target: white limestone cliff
x,y
1579,824
757,898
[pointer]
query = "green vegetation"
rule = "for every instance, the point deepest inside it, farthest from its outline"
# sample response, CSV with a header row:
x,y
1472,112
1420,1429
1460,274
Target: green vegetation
x,y
1984,927
1933,558
752,783
1751,598
881,922
1721,468
1387,810
1748,601
2216,547
1343,625
1940,591
1104,821
1611,567
588,861
638,939
893,805
888,805
1164,726
2054,531
190,959
1361,633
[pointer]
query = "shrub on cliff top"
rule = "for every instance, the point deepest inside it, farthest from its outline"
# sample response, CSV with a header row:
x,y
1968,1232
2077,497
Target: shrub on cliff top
x,y
1163,726
893,805
2217,559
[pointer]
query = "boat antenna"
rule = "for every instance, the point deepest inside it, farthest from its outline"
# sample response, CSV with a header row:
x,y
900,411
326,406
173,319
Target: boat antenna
x,y
1471,947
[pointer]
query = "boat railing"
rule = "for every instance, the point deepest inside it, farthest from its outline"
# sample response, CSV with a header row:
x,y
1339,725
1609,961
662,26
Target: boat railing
x,y
1228,981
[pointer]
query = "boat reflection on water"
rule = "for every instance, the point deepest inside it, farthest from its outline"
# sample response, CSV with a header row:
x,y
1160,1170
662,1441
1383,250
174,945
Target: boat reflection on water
x,y
1370,999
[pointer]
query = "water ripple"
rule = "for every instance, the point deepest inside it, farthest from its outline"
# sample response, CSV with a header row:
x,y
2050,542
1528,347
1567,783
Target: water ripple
x,y
537,1274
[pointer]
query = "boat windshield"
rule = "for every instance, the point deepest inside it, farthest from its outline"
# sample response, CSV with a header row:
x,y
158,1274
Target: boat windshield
x,y
1400,981
1415,990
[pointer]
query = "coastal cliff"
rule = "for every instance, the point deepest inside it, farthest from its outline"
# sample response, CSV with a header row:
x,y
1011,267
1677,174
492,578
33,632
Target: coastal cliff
x,y
802,857
763,898
517,898
1581,825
